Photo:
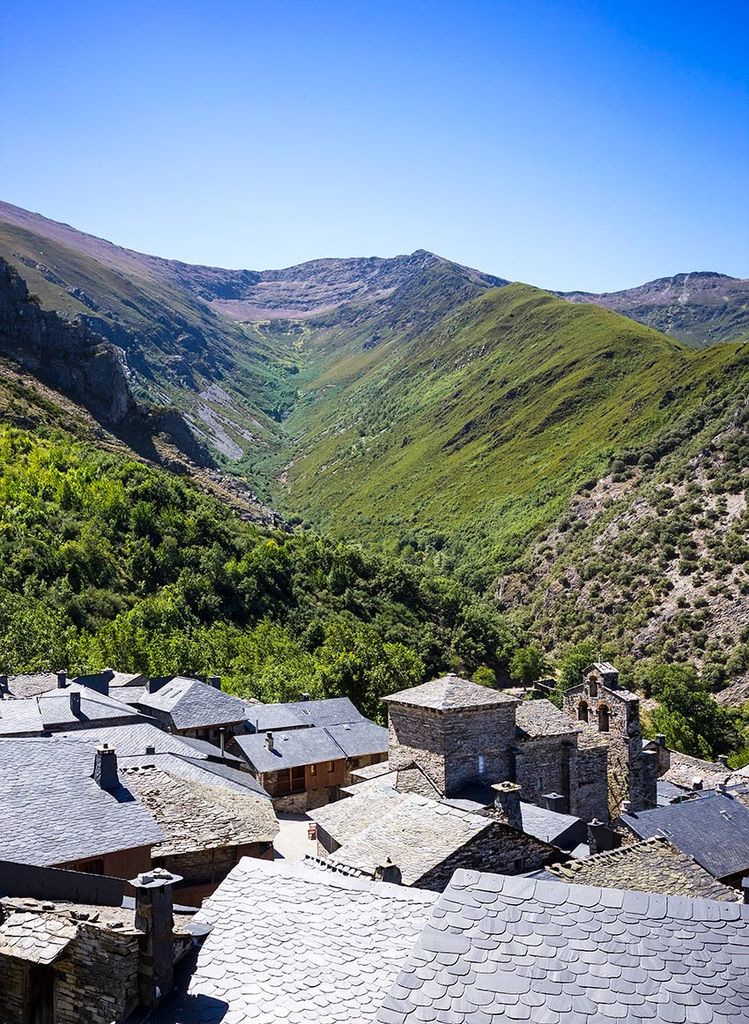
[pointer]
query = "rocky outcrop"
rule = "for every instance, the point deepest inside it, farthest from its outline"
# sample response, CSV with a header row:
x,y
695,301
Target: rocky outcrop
x,y
66,356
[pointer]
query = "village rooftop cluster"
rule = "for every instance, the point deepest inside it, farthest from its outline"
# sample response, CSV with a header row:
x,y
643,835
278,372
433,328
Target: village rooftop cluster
x,y
171,853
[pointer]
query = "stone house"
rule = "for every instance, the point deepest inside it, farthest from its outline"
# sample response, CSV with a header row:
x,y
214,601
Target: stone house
x,y
304,752
600,705
64,804
81,950
192,708
211,815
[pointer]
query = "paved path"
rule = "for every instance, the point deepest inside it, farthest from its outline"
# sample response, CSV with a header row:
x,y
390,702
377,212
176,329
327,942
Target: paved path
x,y
292,842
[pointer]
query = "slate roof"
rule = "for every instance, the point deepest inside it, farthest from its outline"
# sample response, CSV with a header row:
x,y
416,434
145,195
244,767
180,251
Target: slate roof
x,y
292,943
712,828
359,738
131,740
667,792
653,865
417,834
371,771
450,693
39,938
346,818
296,714
20,717
110,678
198,809
535,718
31,684
192,704
54,707
52,811
291,748
500,949
683,770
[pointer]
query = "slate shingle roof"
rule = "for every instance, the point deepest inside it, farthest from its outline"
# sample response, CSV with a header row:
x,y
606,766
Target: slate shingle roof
x,y
192,704
683,770
40,938
713,829
199,809
417,834
31,684
563,830
501,949
344,819
20,717
55,709
450,693
653,865
295,944
131,740
52,811
359,738
535,718
296,714
291,748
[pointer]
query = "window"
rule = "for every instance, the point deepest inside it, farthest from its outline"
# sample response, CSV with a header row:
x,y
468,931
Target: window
x,y
331,766
603,718
519,863
297,779
593,686
582,712
313,769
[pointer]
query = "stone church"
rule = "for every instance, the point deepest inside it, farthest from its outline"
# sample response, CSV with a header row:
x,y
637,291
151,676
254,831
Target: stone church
x,y
451,737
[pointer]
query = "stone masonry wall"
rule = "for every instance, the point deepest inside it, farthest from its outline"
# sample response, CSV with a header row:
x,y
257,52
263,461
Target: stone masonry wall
x,y
97,978
589,796
498,849
453,747
12,990
543,765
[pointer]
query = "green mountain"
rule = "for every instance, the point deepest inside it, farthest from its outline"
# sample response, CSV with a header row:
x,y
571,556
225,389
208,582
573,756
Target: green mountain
x,y
699,309
439,414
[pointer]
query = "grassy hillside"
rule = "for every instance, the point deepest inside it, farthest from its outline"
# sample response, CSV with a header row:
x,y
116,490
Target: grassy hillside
x,y
468,438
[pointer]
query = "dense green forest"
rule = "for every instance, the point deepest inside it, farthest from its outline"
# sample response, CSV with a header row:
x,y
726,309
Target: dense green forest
x,y
106,561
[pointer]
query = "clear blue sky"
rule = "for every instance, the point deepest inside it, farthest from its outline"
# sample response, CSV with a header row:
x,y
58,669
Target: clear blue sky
x,y
571,144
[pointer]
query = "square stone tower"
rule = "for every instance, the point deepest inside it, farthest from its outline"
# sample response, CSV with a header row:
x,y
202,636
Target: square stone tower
x,y
455,731
600,703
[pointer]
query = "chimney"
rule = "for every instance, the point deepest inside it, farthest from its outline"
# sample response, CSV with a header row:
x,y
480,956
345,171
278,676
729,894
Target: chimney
x,y
626,806
697,784
745,889
269,740
3,685
154,919
150,749
507,804
723,759
660,739
215,682
601,838
304,696
75,702
554,802
62,678
105,768
388,872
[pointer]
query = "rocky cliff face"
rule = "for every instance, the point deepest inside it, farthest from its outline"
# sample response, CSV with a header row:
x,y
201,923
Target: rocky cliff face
x,y
67,356
699,309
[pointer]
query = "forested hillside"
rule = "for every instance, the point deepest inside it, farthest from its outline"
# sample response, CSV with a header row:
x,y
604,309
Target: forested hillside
x,y
104,560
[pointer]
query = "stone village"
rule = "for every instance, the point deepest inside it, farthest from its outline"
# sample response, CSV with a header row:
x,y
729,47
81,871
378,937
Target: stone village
x,y
171,853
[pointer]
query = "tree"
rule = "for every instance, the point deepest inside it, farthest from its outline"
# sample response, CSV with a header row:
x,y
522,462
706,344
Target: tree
x,y
528,664
689,717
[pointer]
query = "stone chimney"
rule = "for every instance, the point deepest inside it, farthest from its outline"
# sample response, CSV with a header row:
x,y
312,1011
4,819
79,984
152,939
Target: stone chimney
x,y
154,919
507,804
304,696
62,678
215,682
3,685
626,807
723,759
388,872
75,702
601,838
554,802
105,768
269,740
697,784
150,749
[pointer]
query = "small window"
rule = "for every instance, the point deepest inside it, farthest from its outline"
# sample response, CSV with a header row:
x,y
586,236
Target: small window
x,y
603,718
582,712
519,863
313,769
593,686
331,766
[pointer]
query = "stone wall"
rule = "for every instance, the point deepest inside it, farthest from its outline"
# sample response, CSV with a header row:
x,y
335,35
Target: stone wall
x,y
453,747
97,978
12,990
543,765
589,795
498,849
